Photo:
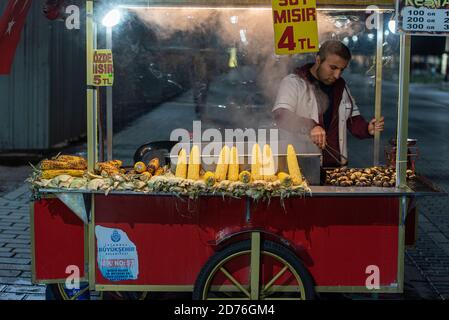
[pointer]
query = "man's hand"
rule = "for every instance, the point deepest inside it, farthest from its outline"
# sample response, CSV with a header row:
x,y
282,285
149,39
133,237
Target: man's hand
x,y
376,126
318,136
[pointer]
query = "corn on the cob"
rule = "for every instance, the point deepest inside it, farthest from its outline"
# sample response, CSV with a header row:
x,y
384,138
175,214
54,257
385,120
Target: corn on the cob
x,y
256,160
49,174
107,167
181,166
140,167
285,179
222,166
145,176
233,171
268,170
160,171
209,178
64,157
114,163
293,166
153,165
193,171
62,164
245,177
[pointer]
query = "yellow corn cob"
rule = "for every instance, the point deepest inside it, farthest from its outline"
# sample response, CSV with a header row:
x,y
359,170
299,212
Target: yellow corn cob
x,y
194,164
160,171
245,177
114,163
140,167
233,171
61,165
256,165
268,171
293,166
147,174
209,178
153,165
107,167
222,166
181,166
285,179
69,158
49,174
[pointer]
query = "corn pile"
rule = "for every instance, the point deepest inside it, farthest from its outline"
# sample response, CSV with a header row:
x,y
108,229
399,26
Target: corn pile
x,y
261,182
62,165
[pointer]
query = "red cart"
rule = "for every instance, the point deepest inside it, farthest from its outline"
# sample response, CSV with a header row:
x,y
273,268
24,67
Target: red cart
x,y
334,240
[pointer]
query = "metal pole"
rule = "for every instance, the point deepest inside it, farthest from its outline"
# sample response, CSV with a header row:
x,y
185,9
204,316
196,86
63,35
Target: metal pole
x,y
403,107
378,99
92,133
109,128
92,138
401,148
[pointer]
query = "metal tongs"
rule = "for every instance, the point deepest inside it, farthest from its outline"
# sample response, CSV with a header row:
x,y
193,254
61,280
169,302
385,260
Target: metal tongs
x,y
329,150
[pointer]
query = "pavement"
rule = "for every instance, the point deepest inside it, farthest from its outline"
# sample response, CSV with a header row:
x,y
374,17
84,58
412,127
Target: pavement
x,y
15,248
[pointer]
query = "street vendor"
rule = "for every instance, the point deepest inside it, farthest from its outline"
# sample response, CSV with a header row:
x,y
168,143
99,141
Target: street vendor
x,y
314,108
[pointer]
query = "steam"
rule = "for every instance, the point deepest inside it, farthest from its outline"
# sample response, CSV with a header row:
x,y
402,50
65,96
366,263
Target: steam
x,y
214,31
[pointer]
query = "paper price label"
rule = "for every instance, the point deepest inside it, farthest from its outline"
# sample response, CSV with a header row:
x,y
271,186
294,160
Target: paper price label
x,y
419,17
295,26
103,68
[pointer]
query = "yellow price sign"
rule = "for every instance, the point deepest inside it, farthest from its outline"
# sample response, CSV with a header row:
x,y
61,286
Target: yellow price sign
x,y
103,68
295,26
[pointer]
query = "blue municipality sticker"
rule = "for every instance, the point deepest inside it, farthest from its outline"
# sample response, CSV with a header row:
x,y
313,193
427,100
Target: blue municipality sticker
x,y
117,255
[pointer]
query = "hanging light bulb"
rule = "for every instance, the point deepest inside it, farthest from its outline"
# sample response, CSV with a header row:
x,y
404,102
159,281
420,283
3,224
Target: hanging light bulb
x,y
392,24
112,18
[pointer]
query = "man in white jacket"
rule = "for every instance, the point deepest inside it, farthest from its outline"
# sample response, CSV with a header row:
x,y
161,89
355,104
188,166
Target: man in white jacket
x,y
314,107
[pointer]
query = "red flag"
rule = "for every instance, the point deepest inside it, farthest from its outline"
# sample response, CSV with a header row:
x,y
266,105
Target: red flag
x,y
11,24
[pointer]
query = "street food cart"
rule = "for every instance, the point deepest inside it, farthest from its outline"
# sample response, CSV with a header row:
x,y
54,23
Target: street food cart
x,y
321,239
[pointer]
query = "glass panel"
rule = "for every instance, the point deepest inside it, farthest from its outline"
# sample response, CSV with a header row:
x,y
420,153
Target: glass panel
x,y
176,65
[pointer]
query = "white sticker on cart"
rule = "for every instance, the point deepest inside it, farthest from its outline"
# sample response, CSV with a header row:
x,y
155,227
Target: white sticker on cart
x,y
117,255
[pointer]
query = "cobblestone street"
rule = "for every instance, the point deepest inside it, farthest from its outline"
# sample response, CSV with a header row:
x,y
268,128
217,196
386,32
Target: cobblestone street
x,y
15,248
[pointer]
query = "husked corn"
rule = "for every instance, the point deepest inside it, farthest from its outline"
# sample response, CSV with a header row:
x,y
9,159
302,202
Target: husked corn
x,y
209,178
285,179
268,171
107,167
222,166
153,165
181,166
245,177
49,174
140,167
194,164
62,164
256,163
293,166
233,171
160,171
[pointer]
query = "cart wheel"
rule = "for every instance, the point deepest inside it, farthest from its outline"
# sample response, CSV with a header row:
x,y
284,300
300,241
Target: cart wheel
x,y
60,292
226,275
